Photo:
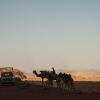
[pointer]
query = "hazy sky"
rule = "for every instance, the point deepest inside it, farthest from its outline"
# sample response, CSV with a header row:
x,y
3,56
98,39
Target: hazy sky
x,y
43,33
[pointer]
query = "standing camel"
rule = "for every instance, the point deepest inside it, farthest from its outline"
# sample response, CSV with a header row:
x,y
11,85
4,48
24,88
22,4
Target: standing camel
x,y
45,74
56,77
68,82
42,75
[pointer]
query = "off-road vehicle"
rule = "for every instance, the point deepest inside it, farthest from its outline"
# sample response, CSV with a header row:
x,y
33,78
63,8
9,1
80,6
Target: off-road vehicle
x,y
7,78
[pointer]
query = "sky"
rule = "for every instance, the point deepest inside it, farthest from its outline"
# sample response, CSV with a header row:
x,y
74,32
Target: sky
x,y
39,34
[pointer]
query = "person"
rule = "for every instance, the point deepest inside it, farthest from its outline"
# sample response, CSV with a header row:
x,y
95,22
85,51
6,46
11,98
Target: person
x,y
53,70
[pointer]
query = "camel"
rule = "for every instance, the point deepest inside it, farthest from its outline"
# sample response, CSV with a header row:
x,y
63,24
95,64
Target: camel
x,y
45,74
56,77
42,75
68,82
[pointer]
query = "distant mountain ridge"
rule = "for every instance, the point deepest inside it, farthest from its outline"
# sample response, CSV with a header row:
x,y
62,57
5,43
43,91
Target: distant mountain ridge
x,y
77,75
83,75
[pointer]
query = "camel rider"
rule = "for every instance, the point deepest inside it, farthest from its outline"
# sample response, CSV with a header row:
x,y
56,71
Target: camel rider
x,y
53,70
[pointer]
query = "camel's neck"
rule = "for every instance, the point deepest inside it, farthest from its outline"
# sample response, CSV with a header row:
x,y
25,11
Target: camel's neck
x,y
38,75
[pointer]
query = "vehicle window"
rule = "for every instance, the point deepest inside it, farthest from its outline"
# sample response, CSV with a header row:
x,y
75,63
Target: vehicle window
x,y
6,74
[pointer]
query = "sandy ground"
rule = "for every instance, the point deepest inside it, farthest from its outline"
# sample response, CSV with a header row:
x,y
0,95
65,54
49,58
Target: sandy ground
x,y
87,91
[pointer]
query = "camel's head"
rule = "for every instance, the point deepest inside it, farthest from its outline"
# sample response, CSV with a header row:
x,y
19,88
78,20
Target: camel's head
x,y
34,71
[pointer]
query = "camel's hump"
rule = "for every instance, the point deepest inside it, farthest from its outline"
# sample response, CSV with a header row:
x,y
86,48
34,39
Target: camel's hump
x,y
44,72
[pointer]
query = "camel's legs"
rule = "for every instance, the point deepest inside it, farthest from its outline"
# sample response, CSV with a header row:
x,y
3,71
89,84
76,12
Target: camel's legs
x,y
42,82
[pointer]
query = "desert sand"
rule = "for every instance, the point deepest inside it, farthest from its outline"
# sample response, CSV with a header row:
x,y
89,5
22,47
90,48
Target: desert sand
x,y
85,91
